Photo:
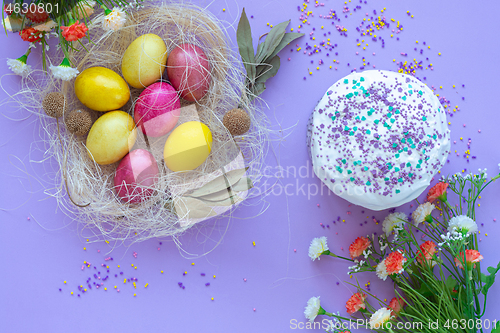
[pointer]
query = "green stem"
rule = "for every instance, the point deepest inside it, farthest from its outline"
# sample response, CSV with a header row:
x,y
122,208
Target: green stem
x,y
327,252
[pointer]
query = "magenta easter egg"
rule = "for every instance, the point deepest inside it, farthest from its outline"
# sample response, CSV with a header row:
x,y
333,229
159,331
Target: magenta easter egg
x,y
188,70
157,109
136,176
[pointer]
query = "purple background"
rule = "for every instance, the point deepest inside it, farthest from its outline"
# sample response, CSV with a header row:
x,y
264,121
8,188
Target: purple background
x,y
40,247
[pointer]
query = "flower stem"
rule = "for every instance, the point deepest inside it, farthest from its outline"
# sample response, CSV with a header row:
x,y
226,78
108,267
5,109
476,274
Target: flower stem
x,y
327,252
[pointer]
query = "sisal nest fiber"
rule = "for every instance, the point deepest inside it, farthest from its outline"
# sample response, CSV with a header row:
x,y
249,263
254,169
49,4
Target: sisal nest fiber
x,y
107,215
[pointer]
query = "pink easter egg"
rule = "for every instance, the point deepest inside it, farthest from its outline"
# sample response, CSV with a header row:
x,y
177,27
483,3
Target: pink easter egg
x,y
157,109
136,176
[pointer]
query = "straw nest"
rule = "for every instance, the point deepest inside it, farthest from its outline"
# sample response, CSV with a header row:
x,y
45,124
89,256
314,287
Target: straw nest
x,y
88,183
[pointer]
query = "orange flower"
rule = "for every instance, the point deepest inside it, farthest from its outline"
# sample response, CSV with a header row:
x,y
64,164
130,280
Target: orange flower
x,y
426,252
394,262
356,302
396,305
471,257
30,35
437,192
74,32
359,246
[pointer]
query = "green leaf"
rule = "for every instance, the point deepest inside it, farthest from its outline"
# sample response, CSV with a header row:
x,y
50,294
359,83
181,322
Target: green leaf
x,y
259,57
267,71
245,45
488,280
287,39
496,329
258,88
273,39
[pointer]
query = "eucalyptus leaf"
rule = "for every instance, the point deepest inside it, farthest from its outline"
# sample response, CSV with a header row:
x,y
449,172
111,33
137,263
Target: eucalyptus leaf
x,y
268,71
258,88
245,45
192,208
274,38
222,182
232,200
243,184
287,39
259,57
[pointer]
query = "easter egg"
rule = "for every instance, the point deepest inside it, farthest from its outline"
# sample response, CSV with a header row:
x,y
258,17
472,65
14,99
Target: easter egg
x,y
136,176
101,89
111,137
188,70
144,60
188,146
157,109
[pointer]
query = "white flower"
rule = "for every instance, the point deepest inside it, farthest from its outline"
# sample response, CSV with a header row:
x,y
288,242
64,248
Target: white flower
x,y
114,20
381,270
312,308
18,67
318,246
393,221
379,318
462,224
64,71
421,213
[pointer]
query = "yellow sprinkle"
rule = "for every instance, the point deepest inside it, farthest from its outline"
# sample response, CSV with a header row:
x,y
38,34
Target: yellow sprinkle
x,y
223,9
439,171
478,197
254,241
321,27
107,242
385,299
135,295
185,272
84,249
350,276
299,49
124,280
271,25
72,292
134,285
107,266
479,231
87,239
486,234
115,287
84,289
147,284
64,282
105,288
479,205
440,87
268,24
192,264
453,86
416,41
330,67
439,53
85,262
212,298
314,38
118,266
317,68
291,29
161,272
214,276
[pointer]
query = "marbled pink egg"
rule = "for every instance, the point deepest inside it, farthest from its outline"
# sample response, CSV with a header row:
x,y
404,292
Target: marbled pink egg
x,y
136,176
157,109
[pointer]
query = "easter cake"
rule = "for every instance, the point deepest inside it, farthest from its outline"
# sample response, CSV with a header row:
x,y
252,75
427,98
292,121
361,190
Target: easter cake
x,y
377,138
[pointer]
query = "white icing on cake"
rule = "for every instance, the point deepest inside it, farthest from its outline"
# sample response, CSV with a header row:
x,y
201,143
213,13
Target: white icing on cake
x,y
377,138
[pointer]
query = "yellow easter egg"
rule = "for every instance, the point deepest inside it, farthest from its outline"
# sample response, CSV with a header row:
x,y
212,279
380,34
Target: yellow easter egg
x,y
101,89
111,137
144,61
188,146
